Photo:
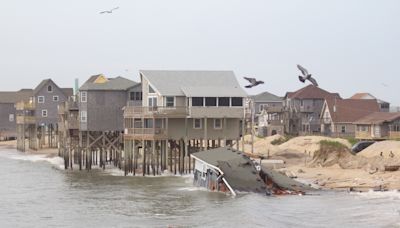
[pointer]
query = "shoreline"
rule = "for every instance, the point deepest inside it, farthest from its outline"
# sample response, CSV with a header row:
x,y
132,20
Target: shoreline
x,y
12,145
324,178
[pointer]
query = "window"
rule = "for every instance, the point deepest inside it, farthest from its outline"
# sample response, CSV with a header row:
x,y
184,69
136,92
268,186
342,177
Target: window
x,y
132,96
223,101
83,116
237,101
151,90
138,96
56,98
217,124
197,124
343,129
49,88
41,99
44,113
197,101
170,101
152,101
83,97
363,128
11,118
211,101
135,96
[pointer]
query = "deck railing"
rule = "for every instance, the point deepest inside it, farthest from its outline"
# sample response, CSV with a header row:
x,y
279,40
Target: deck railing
x,y
167,111
25,106
26,120
145,131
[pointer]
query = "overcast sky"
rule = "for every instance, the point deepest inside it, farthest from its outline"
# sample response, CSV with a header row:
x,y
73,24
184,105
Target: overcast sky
x,y
348,45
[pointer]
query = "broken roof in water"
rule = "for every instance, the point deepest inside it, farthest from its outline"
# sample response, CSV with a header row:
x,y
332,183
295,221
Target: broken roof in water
x,y
237,168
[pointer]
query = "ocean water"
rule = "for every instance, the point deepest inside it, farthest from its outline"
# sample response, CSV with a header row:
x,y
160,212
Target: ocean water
x,y
35,191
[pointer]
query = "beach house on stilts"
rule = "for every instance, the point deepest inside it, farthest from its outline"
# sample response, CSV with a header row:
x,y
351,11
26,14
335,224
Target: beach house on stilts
x,y
182,112
37,119
98,110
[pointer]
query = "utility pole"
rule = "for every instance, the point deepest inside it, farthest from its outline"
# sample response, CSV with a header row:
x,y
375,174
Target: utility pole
x,y
252,125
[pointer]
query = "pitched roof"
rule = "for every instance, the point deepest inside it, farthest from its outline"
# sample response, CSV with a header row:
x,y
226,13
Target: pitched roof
x,y
311,92
117,84
362,96
194,83
366,96
378,118
238,169
350,110
14,97
266,97
67,91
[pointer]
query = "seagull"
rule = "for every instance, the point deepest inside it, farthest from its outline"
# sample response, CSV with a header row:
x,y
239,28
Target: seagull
x,y
306,76
109,11
253,82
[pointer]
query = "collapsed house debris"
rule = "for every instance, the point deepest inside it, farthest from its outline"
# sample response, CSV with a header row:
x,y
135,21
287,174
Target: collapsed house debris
x,y
227,170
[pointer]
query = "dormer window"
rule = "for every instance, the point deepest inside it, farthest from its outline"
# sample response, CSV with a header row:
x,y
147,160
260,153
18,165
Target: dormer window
x,y
50,89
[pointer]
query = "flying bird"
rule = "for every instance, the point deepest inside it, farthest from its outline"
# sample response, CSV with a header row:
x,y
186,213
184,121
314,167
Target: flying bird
x,y
306,76
109,11
253,82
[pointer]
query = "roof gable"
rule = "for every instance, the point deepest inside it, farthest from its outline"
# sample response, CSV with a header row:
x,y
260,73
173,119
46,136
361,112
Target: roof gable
x,y
100,82
194,83
266,97
311,92
66,91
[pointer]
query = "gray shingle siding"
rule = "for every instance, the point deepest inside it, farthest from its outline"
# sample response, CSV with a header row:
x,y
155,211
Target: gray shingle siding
x,y
104,110
49,105
7,128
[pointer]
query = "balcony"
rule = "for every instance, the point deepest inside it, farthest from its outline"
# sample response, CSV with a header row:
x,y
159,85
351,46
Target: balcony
x,y
71,105
24,106
306,109
26,120
67,106
272,109
145,133
140,111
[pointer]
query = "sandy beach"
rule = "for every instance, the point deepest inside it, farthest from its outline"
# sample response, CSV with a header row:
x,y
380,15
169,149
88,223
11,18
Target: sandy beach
x,y
13,145
361,172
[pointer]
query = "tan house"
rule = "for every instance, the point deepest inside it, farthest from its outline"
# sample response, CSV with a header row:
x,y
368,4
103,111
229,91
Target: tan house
x,y
338,115
378,126
184,112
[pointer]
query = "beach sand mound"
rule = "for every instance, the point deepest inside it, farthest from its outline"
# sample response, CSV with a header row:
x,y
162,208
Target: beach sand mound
x,y
309,144
328,156
301,144
385,147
